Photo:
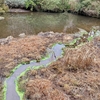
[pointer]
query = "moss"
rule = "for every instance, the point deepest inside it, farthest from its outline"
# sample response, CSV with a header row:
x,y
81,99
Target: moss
x,y
18,90
13,70
4,91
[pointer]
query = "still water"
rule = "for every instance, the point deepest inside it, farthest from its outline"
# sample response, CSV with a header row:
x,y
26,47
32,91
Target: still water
x,y
33,23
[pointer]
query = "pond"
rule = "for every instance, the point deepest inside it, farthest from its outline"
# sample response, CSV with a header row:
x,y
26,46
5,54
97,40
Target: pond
x,y
33,23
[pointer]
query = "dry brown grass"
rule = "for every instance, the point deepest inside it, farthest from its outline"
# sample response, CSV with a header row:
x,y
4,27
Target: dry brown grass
x,y
81,57
78,85
25,49
21,50
42,89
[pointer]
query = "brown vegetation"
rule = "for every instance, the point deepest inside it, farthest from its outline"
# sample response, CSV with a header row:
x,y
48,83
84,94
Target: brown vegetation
x,y
82,56
20,50
23,50
42,89
76,75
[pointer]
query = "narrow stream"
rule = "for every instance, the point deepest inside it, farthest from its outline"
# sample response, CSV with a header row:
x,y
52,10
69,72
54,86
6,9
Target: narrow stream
x,y
54,53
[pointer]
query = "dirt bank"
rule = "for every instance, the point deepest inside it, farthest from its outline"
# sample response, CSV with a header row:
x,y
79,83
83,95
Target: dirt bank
x,y
73,77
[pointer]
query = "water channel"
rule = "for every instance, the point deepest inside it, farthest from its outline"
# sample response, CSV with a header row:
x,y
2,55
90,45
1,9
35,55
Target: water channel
x,y
11,92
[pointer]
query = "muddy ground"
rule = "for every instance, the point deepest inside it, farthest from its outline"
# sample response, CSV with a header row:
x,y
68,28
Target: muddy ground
x,y
76,76
23,50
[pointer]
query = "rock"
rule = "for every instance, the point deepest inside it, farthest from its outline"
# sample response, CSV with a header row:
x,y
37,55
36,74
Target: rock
x,y
6,40
82,31
9,38
47,34
3,41
22,35
1,18
67,38
96,27
40,34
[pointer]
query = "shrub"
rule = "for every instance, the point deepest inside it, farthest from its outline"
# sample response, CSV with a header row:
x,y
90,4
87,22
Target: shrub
x,y
45,5
82,4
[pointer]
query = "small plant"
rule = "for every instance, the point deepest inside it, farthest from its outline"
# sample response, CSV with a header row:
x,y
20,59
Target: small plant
x,y
30,4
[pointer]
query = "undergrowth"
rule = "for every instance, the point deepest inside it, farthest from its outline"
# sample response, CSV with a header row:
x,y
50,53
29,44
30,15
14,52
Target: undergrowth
x,y
45,5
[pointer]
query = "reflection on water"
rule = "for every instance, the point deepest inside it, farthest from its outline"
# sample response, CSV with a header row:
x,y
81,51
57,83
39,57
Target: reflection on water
x,y
33,23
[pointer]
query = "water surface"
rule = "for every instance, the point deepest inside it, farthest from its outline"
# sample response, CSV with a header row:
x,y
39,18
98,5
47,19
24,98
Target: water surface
x,y
33,23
